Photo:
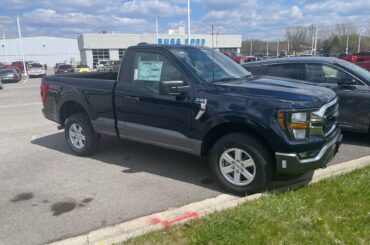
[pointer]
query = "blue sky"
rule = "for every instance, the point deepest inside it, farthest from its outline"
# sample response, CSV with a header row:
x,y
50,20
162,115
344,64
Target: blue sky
x,y
250,18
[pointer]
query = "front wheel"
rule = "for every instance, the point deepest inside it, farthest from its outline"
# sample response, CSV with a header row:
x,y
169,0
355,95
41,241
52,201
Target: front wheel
x,y
80,135
241,164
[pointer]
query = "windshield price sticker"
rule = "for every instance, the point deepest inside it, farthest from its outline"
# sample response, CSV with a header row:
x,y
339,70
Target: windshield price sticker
x,y
149,71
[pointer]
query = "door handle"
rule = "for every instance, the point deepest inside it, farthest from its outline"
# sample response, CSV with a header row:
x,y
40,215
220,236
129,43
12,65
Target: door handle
x,y
132,98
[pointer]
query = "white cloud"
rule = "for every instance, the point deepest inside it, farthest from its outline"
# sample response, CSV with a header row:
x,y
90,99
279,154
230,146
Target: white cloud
x,y
251,18
152,8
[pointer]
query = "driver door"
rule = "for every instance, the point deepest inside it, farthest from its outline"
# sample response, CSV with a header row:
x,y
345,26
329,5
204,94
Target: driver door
x,y
144,114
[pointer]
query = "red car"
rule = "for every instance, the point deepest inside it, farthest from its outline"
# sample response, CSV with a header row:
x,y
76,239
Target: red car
x,y
361,59
357,57
239,58
19,65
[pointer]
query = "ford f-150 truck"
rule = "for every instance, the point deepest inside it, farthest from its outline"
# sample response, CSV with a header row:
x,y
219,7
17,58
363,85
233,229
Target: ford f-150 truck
x,y
197,100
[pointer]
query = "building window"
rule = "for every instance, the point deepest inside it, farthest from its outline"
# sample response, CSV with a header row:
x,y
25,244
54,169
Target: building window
x,y
121,52
100,54
228,50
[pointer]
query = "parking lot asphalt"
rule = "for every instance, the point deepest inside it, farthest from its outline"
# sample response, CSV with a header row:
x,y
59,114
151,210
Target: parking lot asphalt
x,y
47,193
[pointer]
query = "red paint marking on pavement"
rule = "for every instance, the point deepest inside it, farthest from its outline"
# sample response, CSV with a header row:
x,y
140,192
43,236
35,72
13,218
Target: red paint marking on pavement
x,y
168,223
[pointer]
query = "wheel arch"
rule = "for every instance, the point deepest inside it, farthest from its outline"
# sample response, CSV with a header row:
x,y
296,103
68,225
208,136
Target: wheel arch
x,y
222,129
68,108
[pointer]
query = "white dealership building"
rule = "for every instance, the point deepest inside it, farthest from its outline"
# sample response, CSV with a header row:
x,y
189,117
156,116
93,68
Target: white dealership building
x,y
112,46
44,49
88,48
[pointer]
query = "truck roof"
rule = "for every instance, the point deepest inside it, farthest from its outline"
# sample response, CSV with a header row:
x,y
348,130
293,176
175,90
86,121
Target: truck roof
x,y
163,46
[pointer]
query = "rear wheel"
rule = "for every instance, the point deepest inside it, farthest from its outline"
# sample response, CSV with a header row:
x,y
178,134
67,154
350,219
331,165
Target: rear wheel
x,y
80,135
241,164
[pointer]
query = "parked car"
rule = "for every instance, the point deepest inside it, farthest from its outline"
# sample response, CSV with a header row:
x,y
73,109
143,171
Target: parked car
x,y
20,66
36,70
10,75
349,81
57,66
116,65
240,58
64,69
1,84
197,100
82,68
102,64
357,57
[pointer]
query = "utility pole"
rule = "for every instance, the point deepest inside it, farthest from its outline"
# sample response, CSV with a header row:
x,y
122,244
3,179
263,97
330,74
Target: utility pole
x,y
288,49
6,49
20,40
277,49
317,31
156,29
267,49
347,43
189,22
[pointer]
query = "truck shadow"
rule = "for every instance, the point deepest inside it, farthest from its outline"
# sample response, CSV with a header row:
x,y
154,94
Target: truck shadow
x,y
136,157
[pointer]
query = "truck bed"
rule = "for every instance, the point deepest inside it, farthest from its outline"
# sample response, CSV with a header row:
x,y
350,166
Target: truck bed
x,y
93,91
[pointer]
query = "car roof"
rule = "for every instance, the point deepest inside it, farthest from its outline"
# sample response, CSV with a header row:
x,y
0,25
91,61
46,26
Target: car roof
x,y
305,59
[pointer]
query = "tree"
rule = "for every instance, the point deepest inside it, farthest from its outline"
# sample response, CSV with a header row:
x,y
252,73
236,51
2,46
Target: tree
x,y
297,36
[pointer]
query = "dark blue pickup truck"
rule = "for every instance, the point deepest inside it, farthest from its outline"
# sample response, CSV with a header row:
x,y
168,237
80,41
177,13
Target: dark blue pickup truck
x,y
197,100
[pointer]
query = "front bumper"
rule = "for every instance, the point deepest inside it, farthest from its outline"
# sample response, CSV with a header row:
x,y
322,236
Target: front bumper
x,y
290,163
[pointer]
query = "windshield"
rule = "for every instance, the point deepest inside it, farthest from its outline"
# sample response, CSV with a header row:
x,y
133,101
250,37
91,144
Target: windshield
x,y
356,69
65,66
35,65
200,61
82,66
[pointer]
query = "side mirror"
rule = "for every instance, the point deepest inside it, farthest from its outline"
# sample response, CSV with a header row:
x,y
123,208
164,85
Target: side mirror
x,y
172,88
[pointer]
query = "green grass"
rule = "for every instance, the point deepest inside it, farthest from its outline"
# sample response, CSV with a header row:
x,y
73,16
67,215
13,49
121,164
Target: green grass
x,y
334,211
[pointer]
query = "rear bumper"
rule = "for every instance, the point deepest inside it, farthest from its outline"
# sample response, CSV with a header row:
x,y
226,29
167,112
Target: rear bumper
x,y
290,163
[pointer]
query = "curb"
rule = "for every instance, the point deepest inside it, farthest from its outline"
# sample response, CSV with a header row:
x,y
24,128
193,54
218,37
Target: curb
x,y
140,226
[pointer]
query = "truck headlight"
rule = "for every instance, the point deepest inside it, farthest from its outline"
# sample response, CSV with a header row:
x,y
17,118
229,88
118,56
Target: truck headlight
x,y
300,125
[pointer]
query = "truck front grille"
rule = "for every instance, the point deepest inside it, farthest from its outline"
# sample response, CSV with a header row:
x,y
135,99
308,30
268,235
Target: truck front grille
x,y
330,119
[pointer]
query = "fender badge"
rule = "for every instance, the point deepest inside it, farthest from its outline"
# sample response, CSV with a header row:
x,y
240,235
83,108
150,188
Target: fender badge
x,y
202,107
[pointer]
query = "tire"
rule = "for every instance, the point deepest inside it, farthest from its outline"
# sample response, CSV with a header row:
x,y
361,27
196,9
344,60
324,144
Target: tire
x,y
253,152
86,141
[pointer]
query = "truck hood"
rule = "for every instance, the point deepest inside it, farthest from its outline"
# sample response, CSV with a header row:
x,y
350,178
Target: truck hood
x,y
288,94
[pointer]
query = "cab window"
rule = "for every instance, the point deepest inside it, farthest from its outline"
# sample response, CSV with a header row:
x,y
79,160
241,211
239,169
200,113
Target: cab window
x,y
293,71
151,68
322,73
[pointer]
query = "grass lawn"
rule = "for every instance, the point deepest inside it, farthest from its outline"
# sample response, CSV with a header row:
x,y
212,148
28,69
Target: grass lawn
x,y
333,211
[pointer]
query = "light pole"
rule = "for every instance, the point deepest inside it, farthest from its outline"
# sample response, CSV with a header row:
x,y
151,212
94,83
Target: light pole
x,y
267,49
251,52
156,29
277,49
6,49
288,48
347,43
359,42
317,31
20,40
189,22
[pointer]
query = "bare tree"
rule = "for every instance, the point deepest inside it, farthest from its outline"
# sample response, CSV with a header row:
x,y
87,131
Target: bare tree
x,y
297,36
